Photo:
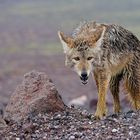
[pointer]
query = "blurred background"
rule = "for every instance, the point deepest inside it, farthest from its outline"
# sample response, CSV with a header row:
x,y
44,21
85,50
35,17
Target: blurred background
x,y
29,41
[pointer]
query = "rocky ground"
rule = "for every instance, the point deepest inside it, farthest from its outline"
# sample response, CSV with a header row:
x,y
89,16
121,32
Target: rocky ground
x,y
73,124
36,111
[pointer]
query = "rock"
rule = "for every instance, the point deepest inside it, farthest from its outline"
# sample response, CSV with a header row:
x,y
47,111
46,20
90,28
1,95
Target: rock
x,y
72,137
114,130
28,127
80,101
36,94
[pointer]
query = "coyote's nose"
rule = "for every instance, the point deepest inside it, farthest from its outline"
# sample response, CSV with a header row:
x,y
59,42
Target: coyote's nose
x,y
84,76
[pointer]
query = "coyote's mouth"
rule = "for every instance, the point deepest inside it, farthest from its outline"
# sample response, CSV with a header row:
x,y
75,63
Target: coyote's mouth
x,y
85,82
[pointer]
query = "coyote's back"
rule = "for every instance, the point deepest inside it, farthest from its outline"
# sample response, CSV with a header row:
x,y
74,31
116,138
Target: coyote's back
x,y
111,53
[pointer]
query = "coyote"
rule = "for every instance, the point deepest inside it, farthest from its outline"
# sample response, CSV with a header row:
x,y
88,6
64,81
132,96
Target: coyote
x,y
111,53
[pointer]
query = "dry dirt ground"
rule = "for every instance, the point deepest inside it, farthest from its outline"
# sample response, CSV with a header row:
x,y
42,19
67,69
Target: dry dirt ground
x,y
14,66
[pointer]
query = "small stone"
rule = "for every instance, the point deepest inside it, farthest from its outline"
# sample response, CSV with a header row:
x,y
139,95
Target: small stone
x,y
130,133
85,113
56,137
114,130
45,137
137,136
130,111
131,127
56,127
72,126
72,106
90,122
37,131
72,138
28,127
76,134
57,117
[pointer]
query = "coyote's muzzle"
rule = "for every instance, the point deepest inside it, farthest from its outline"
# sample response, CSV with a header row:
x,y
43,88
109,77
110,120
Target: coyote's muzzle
x,y
84,77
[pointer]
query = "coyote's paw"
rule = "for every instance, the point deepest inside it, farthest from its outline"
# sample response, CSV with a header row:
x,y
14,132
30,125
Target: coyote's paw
x,y
117,109
99,114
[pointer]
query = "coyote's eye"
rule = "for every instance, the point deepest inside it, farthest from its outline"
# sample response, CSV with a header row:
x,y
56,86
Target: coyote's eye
x,y
76,58
89,58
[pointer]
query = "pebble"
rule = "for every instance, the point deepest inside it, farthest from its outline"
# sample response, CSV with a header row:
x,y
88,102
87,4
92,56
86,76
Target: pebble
x,y
131,127
130,133
45,137
114,130
71,137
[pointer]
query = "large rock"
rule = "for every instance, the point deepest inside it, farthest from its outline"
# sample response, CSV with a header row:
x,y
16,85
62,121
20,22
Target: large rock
x,y
36,94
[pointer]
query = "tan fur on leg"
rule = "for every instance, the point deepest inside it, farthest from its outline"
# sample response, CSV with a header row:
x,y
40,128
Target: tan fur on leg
x,y
103,82
114,88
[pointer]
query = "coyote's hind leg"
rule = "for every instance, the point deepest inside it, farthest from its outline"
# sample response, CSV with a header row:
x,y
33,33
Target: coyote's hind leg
x,y
132,86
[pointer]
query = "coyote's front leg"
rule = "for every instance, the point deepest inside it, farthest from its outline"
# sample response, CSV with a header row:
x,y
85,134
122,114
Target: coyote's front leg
x,y
102,80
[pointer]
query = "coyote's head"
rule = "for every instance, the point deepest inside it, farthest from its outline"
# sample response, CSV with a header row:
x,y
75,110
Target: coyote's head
x,y
83,52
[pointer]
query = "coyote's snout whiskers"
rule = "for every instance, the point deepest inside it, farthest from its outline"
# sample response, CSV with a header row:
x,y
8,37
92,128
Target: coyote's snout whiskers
x,y
111,53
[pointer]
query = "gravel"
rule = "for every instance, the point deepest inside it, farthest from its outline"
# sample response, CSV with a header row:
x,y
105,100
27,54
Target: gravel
x,y
74,124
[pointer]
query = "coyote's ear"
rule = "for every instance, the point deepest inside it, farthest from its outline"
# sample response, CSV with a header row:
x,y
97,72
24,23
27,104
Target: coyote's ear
x,y
97,37
66,41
